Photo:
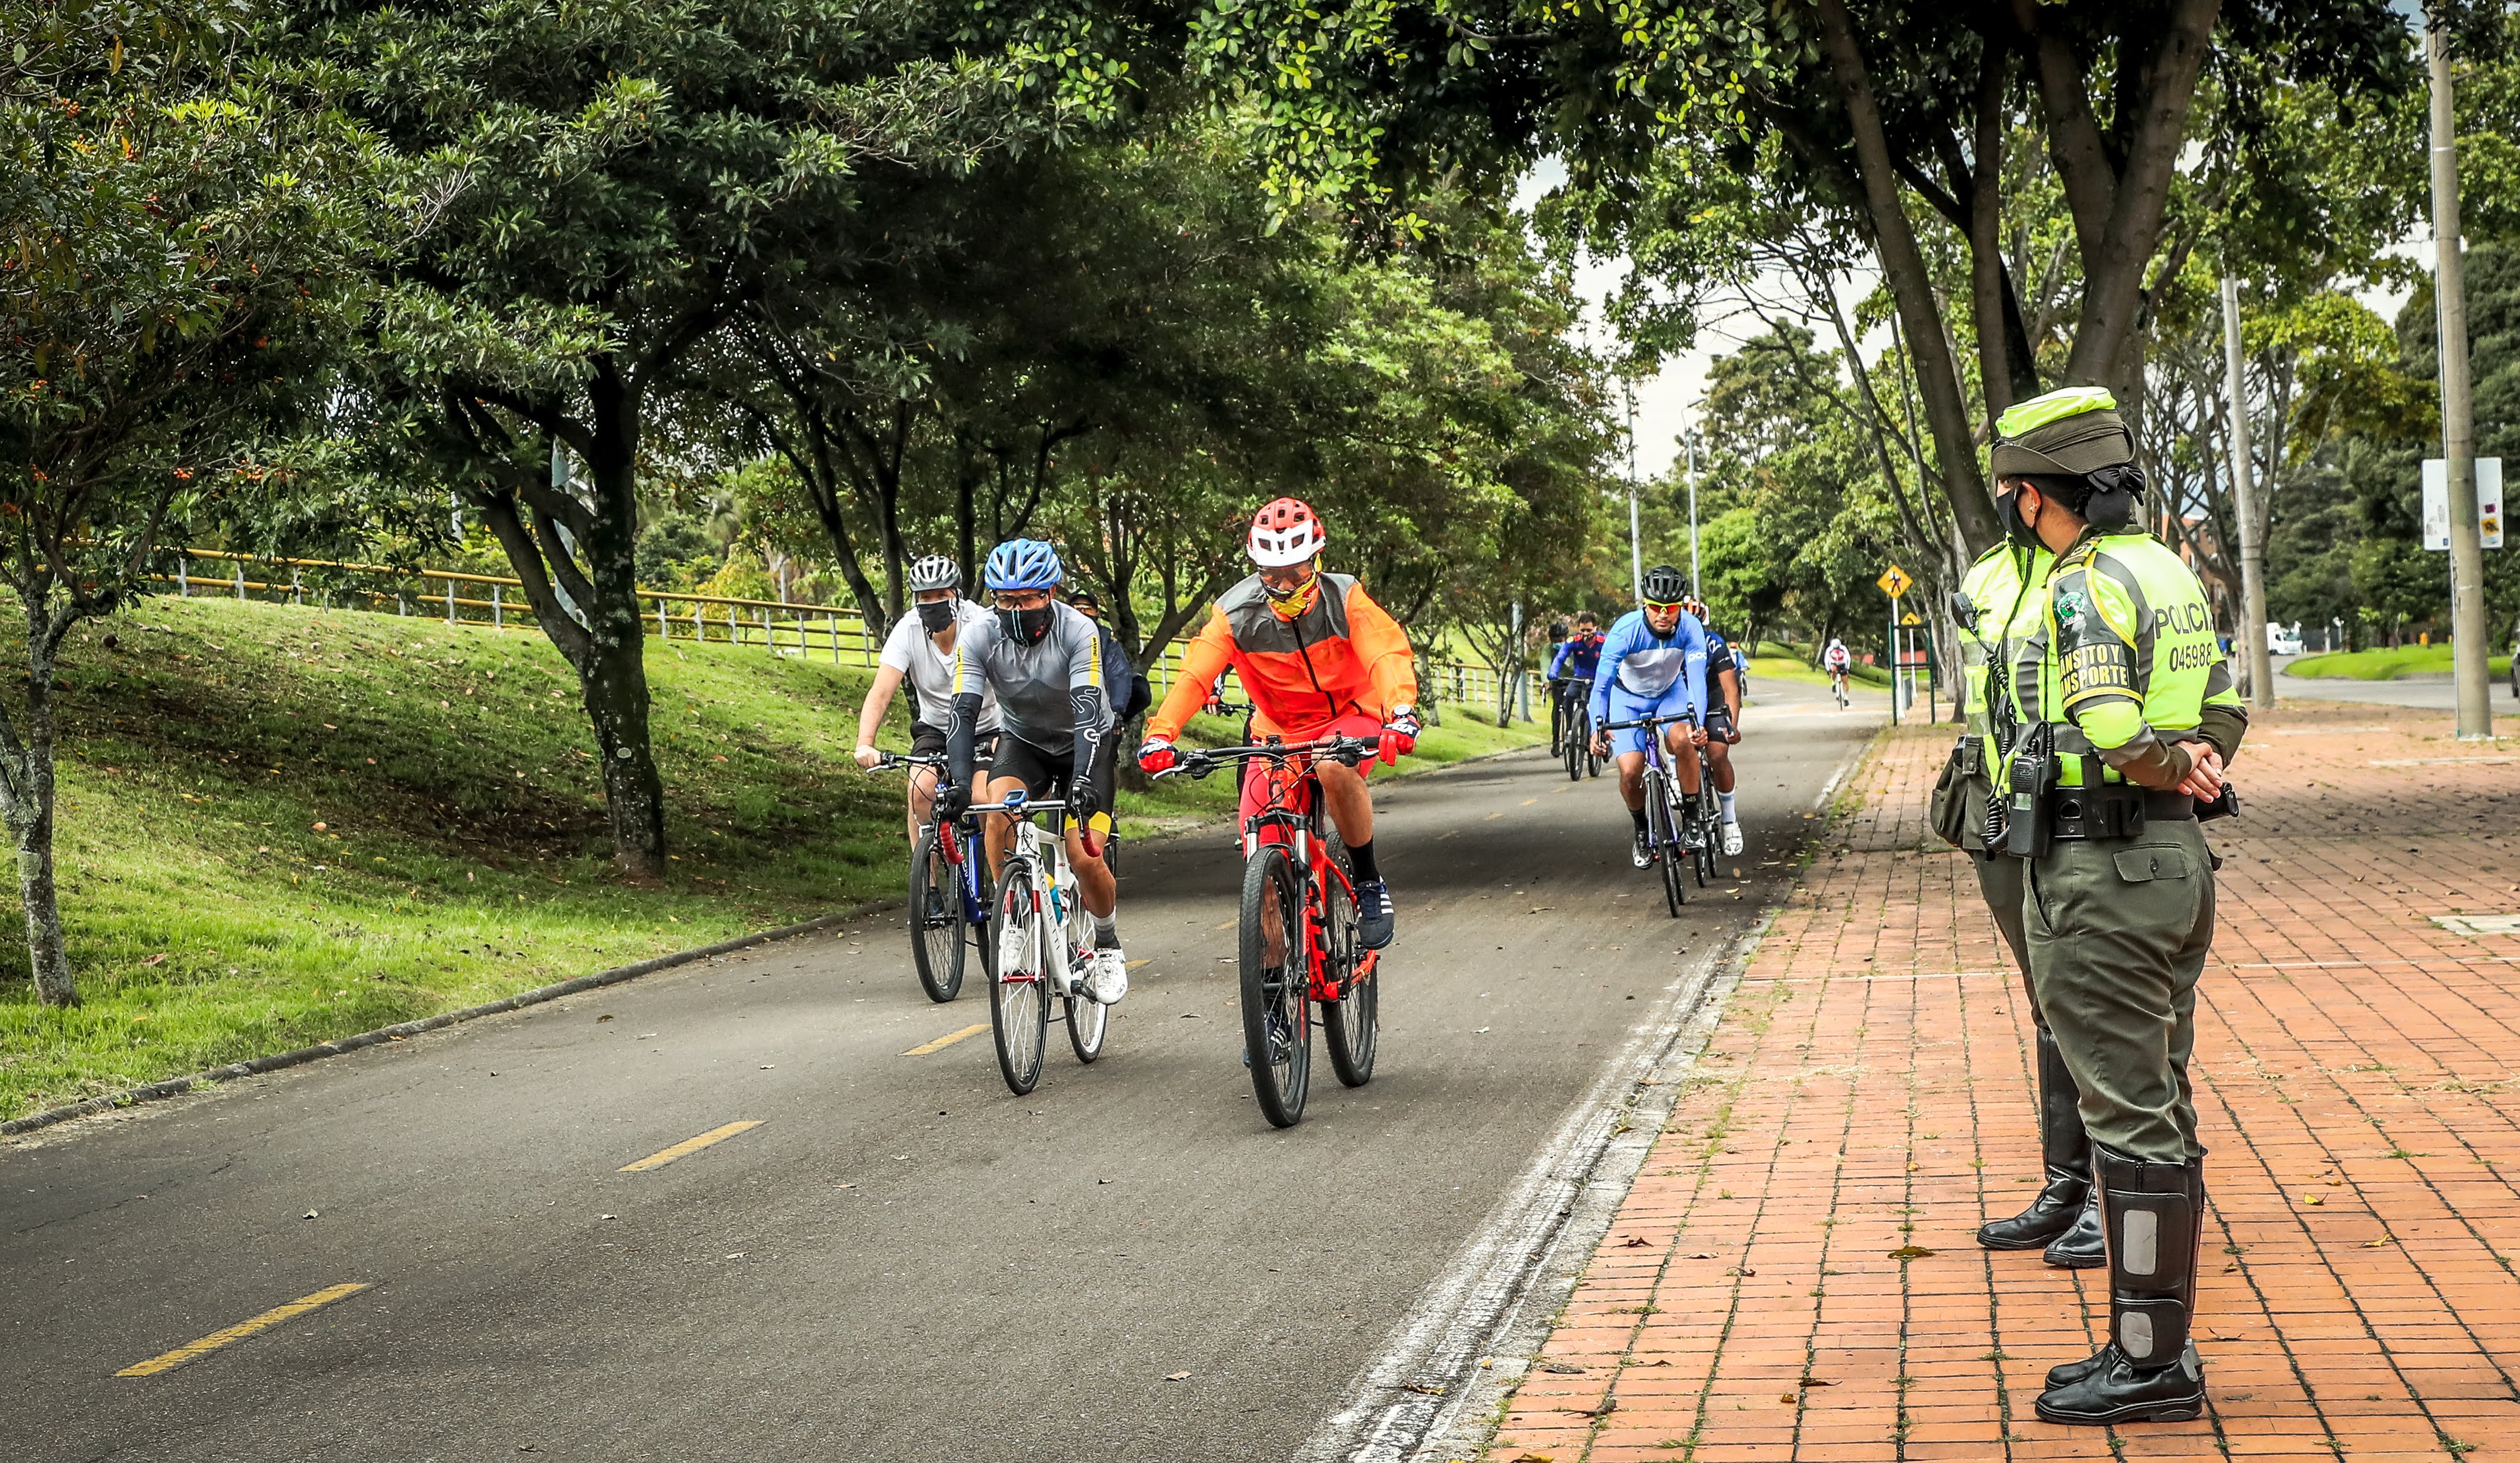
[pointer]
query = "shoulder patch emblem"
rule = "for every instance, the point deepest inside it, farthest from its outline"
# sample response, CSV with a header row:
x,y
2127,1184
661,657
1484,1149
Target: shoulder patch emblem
x,y
2070,604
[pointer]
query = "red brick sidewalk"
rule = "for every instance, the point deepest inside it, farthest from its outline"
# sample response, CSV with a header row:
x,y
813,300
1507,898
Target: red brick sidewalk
x,y
1795,1275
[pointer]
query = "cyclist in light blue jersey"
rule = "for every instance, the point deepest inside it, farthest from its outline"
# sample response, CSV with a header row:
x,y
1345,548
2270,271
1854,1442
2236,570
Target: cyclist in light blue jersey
x,y
1653,663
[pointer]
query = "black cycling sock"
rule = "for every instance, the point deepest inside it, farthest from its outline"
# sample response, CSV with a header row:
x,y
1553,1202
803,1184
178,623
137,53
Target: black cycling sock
x,y
1639,814
1360,856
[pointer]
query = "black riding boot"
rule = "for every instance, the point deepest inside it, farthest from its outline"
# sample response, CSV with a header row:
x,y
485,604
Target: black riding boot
x,y
2067,1159
2083,1247
2149,1371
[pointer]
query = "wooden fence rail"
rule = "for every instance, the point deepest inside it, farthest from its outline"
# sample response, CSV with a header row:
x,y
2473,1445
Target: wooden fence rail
x,y
811,631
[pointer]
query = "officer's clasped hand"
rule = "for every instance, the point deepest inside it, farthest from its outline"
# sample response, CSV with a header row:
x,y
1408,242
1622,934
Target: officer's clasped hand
x,y
2204,779
1156,755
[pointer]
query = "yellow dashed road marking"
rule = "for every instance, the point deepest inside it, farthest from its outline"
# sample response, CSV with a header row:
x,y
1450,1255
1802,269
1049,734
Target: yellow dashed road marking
x,y
689,1146
243,1329
1527,802
948,1040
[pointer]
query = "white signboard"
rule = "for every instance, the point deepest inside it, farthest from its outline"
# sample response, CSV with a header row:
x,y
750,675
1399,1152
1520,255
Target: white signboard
x,y
2489,503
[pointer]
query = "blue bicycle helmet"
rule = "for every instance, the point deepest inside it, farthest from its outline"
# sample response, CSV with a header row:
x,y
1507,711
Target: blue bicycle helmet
x,y
1023,565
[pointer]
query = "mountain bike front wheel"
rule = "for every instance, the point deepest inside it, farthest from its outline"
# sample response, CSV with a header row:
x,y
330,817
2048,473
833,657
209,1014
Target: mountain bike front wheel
x,y
1663,832
1702,853
1579,744
1352,1025
1020,985
939,925
1276,986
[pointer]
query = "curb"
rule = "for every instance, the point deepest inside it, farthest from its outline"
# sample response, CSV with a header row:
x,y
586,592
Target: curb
x,y
256,1066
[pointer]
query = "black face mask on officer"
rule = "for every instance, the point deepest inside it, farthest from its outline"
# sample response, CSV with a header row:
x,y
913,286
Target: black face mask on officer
x,y
2009,508
1027,627
936,615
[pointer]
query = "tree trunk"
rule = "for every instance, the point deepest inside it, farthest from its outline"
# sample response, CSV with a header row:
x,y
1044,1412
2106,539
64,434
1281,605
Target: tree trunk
x,y
26,802
1903,264
614,674
613,686
587,546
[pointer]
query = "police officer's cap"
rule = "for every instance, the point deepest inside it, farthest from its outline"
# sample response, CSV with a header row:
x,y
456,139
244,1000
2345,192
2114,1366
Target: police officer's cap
x,y
2073,431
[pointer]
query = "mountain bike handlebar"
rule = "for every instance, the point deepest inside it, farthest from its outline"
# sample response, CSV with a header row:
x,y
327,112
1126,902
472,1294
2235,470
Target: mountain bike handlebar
x,y
1647,722
1199,762
936,760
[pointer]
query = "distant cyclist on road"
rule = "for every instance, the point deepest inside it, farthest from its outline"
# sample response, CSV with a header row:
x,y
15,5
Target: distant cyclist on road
x,y
1044,662
1318,659
1653,663
922,651
1575,663
1723,720
1838,661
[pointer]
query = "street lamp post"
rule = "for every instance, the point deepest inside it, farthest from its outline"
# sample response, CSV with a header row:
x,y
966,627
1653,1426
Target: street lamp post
x,y
2467,629
1694,592
1635,534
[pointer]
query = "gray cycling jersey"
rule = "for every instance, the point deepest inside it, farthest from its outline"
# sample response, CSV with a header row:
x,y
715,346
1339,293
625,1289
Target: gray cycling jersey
x,y
1034,683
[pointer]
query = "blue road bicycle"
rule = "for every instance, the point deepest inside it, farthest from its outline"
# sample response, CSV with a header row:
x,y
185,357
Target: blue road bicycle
x,y
949,895
1680,825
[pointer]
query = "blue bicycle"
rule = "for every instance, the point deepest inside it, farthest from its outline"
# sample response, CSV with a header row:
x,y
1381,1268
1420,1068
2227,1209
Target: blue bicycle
x,y
1680,826
949,895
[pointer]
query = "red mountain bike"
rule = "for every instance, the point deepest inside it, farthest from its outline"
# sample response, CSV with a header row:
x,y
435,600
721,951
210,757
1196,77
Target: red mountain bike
x,y
1298,929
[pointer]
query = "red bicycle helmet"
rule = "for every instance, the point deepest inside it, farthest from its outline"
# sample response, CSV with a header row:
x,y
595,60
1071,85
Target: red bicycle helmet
x,y
1285,532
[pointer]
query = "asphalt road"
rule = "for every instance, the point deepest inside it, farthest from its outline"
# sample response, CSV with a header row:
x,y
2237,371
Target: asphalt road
x,y
902,1261
2432,693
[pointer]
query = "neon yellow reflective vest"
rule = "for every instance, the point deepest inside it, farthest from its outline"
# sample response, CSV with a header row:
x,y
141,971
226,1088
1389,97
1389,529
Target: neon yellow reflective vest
x,y
2130,658
2007,587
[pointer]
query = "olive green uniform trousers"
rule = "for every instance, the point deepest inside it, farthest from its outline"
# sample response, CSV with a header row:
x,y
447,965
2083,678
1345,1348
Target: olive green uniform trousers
x,y
2000,881
2118,929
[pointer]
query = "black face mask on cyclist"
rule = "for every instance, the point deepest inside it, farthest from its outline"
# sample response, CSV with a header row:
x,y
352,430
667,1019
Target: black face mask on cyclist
x,y
1027,627
936,617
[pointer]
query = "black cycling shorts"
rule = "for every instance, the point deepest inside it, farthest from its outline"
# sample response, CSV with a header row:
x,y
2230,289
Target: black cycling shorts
x,y
1719,727
1044,774
930,741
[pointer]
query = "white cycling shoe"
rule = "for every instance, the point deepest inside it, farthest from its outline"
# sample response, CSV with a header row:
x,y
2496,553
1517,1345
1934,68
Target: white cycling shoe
x,y
1107,977
1732,839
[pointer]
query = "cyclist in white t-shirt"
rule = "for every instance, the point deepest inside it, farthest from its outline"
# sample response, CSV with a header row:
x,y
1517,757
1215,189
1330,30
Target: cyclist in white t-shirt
x,y
922,647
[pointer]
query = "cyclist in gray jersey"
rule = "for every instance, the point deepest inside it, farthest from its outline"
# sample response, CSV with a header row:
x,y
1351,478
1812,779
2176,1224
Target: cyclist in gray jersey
x,y
1044,662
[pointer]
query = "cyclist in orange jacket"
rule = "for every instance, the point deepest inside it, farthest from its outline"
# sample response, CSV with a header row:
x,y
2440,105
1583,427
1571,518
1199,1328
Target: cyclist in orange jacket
x,y
1318,658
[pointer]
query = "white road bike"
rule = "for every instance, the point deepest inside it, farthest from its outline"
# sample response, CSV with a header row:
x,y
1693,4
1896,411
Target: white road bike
x,y
1044,945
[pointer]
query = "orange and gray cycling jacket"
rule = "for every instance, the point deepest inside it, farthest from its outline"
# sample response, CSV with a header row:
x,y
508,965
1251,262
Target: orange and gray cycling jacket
x,y
1342,656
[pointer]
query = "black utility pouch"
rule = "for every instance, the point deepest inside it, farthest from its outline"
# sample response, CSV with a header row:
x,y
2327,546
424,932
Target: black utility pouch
x,y
1948,809
2028,809
2098,810
2224,804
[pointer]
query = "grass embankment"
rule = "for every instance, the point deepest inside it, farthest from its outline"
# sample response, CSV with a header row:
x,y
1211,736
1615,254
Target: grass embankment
x,y
282,825
2385,664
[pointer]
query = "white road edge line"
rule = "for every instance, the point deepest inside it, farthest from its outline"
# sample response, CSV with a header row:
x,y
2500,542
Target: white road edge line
x,y
1428,1397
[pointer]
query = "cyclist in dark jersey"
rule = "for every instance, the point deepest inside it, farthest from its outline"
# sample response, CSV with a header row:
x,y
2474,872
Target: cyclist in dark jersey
x,y
1723,721
1571,669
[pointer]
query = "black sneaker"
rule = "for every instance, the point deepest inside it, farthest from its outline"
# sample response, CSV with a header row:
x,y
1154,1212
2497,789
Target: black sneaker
x,y
1640,852
1373,915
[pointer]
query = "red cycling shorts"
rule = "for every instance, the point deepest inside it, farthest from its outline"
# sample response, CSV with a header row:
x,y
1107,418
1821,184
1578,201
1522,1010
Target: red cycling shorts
x,y
1255,783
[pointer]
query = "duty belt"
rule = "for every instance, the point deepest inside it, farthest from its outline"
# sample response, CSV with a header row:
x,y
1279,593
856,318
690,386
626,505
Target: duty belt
x,y
2113,811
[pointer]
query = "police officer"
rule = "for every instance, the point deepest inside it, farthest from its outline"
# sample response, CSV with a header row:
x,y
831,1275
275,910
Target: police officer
x,y
2135,720
2006,592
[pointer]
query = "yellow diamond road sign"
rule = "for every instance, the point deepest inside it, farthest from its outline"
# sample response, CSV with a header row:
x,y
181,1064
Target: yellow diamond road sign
x,y
1894,581
1910,618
